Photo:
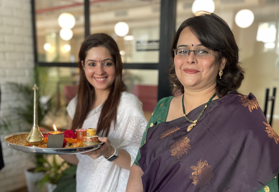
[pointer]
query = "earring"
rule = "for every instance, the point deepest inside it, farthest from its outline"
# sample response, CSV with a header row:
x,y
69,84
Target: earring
x,y
221,73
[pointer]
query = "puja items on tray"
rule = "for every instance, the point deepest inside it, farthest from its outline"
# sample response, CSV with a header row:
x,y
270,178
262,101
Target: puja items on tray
x,y
82,138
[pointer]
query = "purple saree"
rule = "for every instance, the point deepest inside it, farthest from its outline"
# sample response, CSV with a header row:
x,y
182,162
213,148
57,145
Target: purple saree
x,y
231,149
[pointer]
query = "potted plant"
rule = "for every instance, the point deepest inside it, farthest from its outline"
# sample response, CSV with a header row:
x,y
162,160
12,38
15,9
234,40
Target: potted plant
x,y
22,119
32,177
53,171
67,181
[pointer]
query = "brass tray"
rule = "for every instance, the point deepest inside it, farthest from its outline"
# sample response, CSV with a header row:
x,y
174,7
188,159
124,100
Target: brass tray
x,y
17,141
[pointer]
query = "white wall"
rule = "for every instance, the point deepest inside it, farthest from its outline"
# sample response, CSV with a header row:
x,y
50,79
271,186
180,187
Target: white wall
x,y
16,65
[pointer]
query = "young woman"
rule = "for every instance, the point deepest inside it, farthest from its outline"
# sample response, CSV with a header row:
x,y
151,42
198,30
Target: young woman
x,y
103,103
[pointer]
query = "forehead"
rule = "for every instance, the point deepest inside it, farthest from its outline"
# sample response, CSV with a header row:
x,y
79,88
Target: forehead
x,y
187,37
98,53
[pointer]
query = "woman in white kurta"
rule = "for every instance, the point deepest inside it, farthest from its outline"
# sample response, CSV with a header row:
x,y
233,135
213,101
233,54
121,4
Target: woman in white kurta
x,y
103,103
126,136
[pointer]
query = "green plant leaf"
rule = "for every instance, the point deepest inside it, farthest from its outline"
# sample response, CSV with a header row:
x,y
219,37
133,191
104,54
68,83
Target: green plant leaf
x,y
43,181
67,185
53,170
71,170
68,180
55,166
38,169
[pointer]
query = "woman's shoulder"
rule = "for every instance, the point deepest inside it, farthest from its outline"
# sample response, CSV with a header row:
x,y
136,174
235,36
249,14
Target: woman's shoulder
x,y
162,107
129,101
127,95
164,102
129,98
240,105
71,108
241,100
72,103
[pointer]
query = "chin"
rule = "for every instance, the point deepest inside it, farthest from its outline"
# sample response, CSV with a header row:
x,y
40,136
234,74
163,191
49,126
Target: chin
x,y
189,83
101,88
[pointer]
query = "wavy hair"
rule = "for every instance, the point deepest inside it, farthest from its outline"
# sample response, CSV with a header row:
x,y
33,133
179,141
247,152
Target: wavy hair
x,y
215,34
86,92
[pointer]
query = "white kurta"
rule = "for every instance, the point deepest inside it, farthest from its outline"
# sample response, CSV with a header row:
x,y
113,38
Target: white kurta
x,y
100,175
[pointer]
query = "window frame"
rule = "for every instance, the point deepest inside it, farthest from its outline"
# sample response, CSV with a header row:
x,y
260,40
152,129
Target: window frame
x,y
167,21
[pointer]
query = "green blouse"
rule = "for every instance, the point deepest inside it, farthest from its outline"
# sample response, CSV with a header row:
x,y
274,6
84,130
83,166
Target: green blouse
x,y
160,115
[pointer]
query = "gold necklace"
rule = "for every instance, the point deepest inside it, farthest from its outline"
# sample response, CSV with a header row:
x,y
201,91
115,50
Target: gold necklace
x,y
194,123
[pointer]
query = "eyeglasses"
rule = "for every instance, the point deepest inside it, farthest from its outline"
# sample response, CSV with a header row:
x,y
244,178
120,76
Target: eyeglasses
x,y
199,53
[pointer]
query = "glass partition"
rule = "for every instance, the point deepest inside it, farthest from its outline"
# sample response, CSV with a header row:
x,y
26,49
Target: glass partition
x,y
143,84
59,84
139,43
60,30
59,40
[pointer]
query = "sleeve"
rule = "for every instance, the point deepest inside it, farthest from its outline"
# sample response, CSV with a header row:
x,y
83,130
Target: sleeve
x,y
132,121
159,115
71,108
272,186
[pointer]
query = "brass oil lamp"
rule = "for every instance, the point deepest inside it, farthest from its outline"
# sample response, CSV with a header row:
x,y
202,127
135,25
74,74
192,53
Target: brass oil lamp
x,y
35,137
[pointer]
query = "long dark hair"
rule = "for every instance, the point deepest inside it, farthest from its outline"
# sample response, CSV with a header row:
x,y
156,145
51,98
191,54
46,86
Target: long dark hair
x,y
213,33
86,92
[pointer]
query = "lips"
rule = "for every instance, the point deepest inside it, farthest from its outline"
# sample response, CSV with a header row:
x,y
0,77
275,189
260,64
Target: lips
x,y
190,71
100,79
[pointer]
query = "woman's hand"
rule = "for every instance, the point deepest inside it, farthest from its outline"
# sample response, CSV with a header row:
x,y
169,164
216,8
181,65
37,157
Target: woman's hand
x,y
123,160
105,150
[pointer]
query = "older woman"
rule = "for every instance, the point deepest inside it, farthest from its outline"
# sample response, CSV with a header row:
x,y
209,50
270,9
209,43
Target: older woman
x,y
209,137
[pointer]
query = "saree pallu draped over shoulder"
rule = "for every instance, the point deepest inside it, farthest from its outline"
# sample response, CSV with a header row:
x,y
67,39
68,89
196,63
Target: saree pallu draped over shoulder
x,y
231,149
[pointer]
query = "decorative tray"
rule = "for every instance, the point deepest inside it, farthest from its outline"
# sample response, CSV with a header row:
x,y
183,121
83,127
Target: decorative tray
x,y
17,141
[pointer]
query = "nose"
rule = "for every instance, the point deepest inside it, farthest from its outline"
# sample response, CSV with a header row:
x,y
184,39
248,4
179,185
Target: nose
x,y
191,57
99,69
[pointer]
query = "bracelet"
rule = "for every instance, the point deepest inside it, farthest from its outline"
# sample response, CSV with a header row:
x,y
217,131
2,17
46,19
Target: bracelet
x,y
114,155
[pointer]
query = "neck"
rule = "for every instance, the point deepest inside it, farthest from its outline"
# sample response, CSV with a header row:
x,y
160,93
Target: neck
x,y
193,99
100,97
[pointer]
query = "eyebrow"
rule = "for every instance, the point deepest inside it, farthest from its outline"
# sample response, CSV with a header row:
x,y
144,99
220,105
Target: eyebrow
x,y
97,61
198,45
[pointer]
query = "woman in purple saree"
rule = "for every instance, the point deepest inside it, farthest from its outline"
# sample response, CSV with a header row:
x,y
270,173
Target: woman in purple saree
x,y
209,138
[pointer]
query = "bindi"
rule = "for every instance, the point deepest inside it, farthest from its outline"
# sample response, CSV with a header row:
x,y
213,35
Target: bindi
x,y
192,45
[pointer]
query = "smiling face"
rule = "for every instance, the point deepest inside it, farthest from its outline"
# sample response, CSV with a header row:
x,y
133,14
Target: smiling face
x,y
196,72
99,68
